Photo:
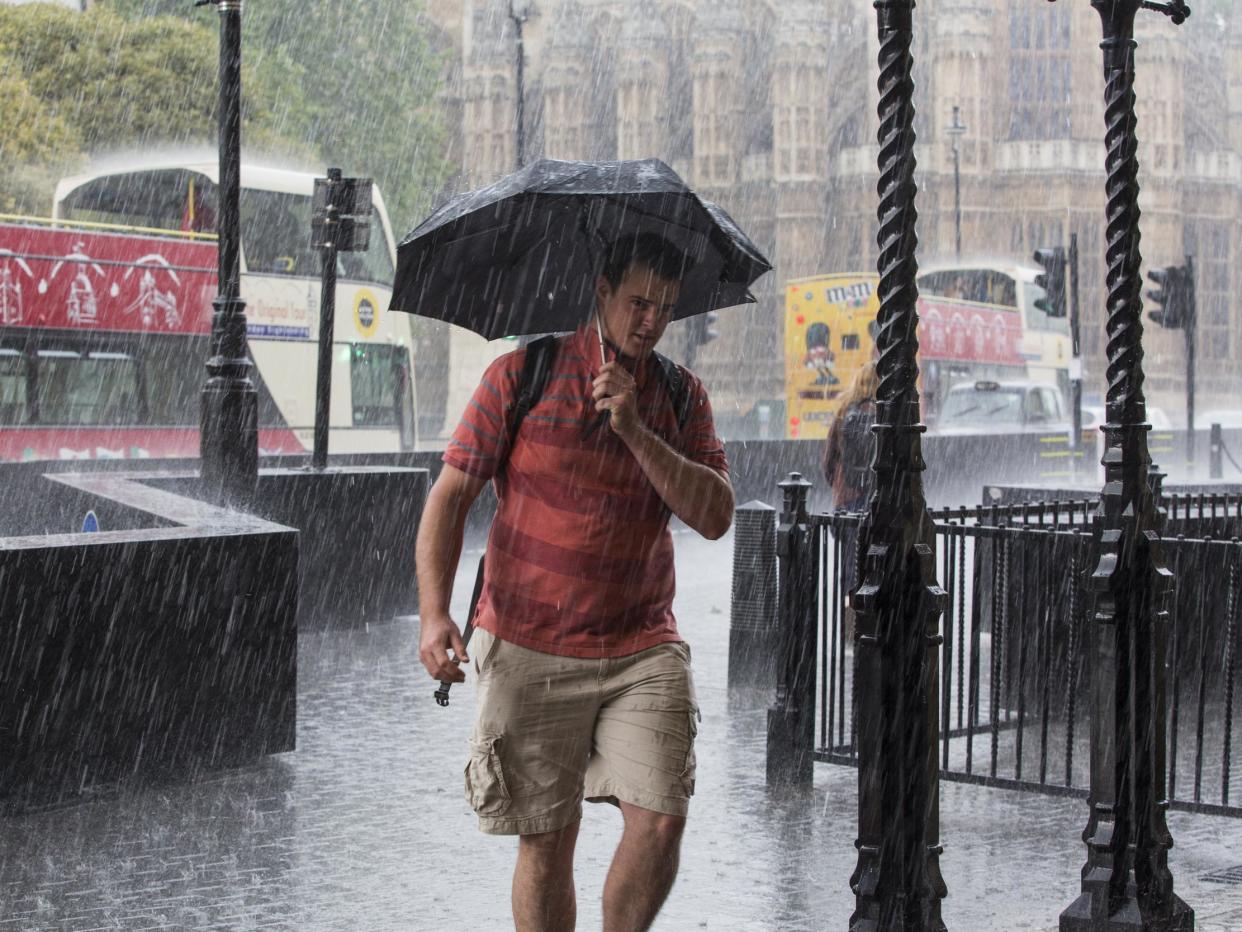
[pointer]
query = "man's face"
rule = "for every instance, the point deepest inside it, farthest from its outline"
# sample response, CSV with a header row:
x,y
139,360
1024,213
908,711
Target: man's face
x,y
637,311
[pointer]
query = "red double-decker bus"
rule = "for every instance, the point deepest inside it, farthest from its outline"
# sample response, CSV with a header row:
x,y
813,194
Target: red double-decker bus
x,y
105,320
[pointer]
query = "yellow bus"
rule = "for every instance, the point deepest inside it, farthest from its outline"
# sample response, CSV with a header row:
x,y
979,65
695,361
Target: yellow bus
x,y
977,321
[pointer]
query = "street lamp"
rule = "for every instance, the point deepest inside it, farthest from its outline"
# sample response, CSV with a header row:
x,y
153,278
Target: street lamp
x,y
897,882
519,12
955,129
229,434
1126,882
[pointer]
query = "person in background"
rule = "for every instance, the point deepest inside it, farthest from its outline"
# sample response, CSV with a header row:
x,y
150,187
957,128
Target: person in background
x,y
848,452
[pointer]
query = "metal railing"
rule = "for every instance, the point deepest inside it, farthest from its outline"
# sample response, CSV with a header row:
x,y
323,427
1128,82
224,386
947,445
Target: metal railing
x,y
59,222
1014,665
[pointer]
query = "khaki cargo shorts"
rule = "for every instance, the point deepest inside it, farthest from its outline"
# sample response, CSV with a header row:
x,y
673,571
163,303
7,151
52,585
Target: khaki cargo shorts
x,y
550,731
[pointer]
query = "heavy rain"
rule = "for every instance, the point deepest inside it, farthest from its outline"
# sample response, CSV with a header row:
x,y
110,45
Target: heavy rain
x,y
777,464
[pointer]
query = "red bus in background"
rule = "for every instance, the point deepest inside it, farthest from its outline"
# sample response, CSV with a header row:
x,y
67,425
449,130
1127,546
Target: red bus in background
x,y
977,321
105,320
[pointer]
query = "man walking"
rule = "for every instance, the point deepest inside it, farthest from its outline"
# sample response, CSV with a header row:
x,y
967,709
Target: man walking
x,y
584,684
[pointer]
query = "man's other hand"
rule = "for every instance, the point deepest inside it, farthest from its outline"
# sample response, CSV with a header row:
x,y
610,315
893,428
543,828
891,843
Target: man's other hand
x,y
614,390
436,637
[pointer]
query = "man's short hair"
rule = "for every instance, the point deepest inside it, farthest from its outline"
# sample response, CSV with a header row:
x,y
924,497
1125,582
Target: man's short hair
x,y
649,249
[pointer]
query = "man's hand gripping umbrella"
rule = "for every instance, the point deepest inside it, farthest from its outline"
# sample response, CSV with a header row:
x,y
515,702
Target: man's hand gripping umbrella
x,y
442,694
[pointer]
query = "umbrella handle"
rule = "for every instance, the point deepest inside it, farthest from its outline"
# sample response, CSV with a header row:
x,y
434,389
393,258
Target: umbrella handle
x,y
599,329
442,694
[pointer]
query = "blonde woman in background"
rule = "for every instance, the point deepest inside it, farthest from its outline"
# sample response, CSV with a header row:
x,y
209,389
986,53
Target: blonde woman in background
x,y
848,452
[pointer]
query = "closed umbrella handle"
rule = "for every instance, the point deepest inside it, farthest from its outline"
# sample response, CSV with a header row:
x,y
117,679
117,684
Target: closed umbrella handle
x,y
442,694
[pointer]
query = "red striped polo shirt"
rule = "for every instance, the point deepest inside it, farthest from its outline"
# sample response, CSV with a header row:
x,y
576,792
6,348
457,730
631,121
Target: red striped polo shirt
x,y
580,558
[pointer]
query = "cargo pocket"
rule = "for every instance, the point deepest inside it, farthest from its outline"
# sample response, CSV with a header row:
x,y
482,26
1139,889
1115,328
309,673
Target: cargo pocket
x,y
687,771
486,789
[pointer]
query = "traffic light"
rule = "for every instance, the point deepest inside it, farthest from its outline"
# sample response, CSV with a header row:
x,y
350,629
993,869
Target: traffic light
x,y
1174,296
1052,280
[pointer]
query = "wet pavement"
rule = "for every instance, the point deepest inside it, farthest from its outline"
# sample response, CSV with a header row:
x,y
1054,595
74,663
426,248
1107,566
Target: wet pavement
x,y
364,827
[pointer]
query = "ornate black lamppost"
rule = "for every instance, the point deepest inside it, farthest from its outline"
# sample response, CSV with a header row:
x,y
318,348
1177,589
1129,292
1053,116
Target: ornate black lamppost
x,y
229,437
897,883
1126,883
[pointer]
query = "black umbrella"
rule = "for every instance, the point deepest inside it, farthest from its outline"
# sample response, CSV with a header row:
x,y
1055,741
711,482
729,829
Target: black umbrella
x,y
521,256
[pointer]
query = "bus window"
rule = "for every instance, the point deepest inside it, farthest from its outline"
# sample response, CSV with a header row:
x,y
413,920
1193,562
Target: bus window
x,y
168,199
276,238
275,229
90,388
175,373
376,375
14,373
174,370
374,265
983,286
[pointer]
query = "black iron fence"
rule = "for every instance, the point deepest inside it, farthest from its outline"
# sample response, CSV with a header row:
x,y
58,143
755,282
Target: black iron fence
x,y
1014,668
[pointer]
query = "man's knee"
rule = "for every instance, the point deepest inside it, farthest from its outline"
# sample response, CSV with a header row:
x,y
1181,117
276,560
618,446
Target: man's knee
x,y
550,848
663,831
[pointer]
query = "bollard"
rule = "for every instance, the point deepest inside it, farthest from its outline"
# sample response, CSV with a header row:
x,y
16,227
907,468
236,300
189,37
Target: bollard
x,y
752,610
791,719
1216,464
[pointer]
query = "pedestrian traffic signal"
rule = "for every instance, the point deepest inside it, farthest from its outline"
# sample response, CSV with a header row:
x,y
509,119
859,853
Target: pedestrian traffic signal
x,y
1051,280
1174,296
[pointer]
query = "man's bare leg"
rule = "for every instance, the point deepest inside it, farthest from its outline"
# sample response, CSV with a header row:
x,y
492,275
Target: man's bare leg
x,y
643,869
543,882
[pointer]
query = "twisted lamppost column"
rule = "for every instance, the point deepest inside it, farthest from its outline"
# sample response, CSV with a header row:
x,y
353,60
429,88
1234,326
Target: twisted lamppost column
x,y
229,438
1126,883
897,883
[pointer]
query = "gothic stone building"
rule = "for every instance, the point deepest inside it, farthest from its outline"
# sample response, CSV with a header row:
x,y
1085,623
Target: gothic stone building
x,y
769,108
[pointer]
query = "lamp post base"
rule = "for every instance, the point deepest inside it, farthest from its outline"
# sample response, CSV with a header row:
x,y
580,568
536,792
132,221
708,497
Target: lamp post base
x,y
230,447
229,439
1170,916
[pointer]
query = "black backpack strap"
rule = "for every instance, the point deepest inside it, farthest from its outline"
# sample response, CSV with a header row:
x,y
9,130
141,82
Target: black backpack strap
x,y
678,387
536,369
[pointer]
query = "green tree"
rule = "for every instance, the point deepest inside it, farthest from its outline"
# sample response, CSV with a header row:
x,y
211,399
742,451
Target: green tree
x,y
93,82
365,77
35,148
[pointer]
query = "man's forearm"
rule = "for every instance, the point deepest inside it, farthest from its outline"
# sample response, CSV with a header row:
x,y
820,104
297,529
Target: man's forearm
x,y
437,552
697,494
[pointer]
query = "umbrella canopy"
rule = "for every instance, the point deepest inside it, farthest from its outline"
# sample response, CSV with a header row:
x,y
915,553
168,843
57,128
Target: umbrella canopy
x,y
521,256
